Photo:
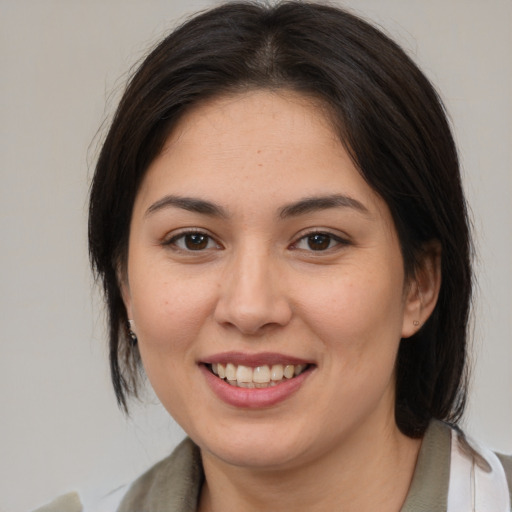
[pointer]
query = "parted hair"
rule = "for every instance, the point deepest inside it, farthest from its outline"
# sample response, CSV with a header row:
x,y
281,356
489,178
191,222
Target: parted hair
x,y
389,118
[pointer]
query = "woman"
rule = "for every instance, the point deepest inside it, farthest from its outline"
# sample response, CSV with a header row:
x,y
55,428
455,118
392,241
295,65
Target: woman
x,y
278,222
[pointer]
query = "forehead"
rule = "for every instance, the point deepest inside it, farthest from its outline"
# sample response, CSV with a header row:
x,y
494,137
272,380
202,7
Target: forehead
x,y
283,105
258,122
259,144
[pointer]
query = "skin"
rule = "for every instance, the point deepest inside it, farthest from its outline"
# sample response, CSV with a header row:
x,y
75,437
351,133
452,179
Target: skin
x,y
255,285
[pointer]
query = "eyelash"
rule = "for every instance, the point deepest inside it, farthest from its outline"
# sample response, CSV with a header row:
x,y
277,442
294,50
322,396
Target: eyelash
x,y
331,239
174,241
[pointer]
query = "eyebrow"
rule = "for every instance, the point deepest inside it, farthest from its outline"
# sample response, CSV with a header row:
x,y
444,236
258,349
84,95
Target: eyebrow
x,y
316,203
190,204
295,209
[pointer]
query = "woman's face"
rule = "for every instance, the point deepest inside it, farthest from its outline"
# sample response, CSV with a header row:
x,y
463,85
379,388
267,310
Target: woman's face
x,y
257,245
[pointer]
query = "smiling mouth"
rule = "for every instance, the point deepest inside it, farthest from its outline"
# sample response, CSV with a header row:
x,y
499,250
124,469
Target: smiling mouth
x,y
258,377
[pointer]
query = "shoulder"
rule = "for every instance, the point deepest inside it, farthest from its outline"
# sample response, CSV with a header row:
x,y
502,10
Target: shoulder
x,y
67,503
506,462
455,473
171,485
490,474
71,502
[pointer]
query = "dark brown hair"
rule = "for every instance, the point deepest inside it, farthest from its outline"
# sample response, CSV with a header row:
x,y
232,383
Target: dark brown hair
x,y
391,121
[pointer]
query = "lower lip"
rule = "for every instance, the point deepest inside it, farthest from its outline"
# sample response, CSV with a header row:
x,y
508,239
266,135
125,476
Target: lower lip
x,y
255,398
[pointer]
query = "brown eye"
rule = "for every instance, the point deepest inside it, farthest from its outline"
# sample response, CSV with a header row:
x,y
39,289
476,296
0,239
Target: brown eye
x,y
192,241
319,241
196,241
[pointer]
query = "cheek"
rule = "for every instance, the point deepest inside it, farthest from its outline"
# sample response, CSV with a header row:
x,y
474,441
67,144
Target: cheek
x,y
360,331
358,305
170,315
168,312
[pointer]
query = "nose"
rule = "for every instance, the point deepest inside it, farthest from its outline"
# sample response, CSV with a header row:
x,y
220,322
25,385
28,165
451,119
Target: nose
x,y
252,297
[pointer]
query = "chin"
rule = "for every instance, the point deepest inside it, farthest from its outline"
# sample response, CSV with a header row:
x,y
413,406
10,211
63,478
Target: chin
x,y
258,448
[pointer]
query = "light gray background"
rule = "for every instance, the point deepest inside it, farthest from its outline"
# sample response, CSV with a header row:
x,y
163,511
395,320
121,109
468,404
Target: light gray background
x,y
62,64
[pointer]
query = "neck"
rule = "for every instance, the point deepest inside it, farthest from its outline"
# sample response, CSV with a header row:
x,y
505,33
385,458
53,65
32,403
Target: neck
x,y
371,471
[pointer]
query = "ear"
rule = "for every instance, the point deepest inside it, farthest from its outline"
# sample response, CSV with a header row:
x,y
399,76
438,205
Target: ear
x,y
124,287
423,289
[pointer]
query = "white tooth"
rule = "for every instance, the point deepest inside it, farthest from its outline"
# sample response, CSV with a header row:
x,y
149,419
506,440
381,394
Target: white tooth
x,y
289,371
261,374
221,370
230,371
277,372
261,384
232,382
214,369
243,374
299,368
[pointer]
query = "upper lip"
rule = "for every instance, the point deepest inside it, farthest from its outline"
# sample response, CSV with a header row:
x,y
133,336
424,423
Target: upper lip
x,y
253,360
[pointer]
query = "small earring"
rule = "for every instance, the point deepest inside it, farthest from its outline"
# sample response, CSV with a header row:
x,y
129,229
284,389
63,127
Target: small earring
x,y
132,334
416,323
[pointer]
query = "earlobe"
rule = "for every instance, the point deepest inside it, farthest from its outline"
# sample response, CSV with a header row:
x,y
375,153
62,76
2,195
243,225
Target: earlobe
x,y
126,296
423,289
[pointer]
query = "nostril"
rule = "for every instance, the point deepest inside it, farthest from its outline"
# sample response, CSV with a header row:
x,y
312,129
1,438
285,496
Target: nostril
x,y
253,319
